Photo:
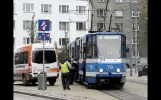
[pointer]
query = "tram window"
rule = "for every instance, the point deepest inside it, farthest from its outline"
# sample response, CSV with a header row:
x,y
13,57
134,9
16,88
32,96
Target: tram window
x,y
81,55
91,47
77,52
94,47
123,47
94,51
72,51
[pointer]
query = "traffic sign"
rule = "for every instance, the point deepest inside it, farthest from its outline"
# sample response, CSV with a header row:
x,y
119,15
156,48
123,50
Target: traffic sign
x,y
43,36
44,25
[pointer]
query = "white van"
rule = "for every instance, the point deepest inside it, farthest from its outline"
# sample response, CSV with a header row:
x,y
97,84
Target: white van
x,y
28,62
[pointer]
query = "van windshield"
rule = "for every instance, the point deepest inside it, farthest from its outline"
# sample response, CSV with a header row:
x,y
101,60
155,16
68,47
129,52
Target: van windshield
x,y
37,56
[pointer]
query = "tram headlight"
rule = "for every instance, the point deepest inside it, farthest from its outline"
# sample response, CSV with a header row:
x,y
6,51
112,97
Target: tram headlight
x,y
101,70
118,70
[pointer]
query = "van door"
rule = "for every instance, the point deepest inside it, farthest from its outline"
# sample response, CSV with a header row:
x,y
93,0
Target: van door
x,y
50,62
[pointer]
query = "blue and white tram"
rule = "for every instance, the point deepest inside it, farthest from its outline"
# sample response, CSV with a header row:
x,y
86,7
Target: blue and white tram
x,y
102,58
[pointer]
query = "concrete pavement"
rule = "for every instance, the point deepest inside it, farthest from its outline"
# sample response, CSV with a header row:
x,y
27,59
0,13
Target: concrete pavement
x,y
26,97
80,92
77,92
135,76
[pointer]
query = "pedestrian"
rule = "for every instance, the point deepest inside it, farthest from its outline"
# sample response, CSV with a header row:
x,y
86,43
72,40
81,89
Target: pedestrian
x,y
73,71
76,67
139,69
64,66
127,65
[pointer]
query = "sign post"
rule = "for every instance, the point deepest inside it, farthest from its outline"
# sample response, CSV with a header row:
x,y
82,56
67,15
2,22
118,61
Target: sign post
x,y
43,26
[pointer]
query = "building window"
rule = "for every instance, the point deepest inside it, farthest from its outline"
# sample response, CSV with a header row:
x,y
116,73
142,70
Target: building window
x,y
81,26
27,25
63,9
26,40
63,25
28,7
100,0
81,9
119,1
137,15
133,40
63,41
46,8
100,12
135,1
118,13
119,27
100,25
134,28
133,53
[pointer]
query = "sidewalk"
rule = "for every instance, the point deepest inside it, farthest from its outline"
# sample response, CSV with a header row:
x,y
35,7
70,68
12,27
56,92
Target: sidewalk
x,y
135,76
77,92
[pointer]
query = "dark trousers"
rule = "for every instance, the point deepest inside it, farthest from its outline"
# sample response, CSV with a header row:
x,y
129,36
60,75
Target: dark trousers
x,y
65,80
76,75
72,75
139,73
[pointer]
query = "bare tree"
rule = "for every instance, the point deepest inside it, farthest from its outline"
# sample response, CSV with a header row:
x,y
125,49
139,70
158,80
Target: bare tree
x,y
33,30
64,52
144,15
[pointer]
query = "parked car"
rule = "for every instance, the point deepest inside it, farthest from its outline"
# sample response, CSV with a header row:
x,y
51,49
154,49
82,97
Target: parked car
x,y
145,70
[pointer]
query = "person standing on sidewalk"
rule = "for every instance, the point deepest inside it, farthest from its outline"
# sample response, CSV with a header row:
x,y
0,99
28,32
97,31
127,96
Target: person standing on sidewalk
x,y
76,69
73,72
64,66
139,69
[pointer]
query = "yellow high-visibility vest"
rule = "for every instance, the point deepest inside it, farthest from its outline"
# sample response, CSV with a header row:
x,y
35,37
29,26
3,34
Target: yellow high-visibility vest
x,y
64,68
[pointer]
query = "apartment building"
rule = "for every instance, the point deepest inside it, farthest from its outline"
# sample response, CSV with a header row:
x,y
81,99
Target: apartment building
x,y
69,18
121,13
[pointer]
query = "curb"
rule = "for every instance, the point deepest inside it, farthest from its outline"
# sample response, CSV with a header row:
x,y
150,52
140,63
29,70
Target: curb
x,y
40,96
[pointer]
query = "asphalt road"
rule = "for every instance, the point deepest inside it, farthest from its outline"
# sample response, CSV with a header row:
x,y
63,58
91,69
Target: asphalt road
x,y
26,97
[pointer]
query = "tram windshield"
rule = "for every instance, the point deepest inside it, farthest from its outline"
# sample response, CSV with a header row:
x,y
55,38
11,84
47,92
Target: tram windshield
x,y
109,47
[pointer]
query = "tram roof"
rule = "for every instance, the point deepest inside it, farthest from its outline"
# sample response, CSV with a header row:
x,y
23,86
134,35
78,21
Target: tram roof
x,y
98,33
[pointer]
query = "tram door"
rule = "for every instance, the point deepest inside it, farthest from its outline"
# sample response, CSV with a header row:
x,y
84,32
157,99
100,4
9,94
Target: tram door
x,y
84,61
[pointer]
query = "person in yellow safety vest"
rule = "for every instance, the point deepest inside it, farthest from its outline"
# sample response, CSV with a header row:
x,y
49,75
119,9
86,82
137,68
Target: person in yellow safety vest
x,y
64,66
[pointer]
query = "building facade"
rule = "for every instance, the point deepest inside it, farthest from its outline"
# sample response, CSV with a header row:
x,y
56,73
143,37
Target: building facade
x,y
69,19
123,19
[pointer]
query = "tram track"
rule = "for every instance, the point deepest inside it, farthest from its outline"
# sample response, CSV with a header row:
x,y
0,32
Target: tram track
x,y
123,95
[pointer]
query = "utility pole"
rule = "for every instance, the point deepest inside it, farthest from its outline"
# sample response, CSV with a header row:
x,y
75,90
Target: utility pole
x,y
131,71
136,51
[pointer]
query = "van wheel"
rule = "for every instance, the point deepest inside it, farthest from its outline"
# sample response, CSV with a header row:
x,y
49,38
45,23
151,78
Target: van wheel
x,y
52,82
25,82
